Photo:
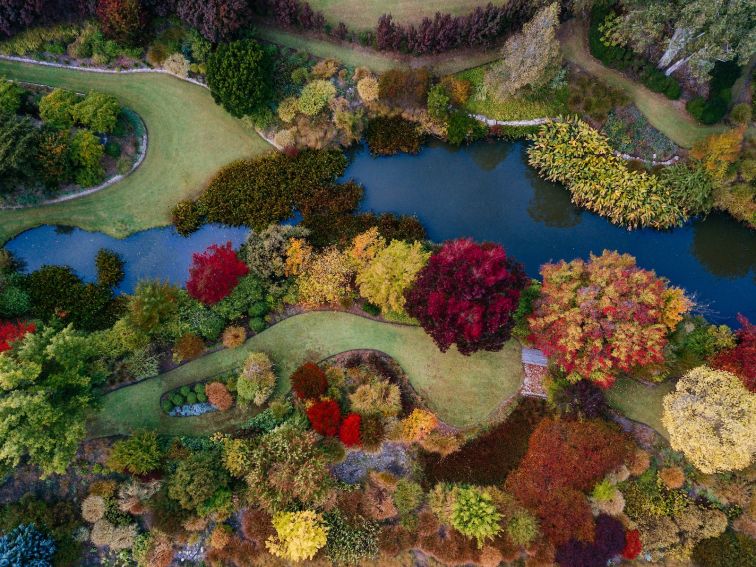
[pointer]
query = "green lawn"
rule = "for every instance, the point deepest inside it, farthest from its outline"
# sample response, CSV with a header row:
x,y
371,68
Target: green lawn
x,y
463,390
364,14
190,137
667,116
640,402
356,55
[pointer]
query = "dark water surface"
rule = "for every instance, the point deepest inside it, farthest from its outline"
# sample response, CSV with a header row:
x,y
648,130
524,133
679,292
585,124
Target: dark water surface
x,y
485,191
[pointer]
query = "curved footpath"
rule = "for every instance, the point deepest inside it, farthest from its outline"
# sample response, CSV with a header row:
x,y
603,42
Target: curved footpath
x,y
462,390
190,138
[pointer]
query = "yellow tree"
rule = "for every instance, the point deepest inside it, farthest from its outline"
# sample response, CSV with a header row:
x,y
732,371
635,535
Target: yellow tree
x,y
718,151
383,280
299,535
711,418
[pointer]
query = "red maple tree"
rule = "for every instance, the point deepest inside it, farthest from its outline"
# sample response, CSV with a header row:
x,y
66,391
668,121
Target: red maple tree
x,y
633,545
466,294
215,273
741,359
349,433
11,332
325,417
309,381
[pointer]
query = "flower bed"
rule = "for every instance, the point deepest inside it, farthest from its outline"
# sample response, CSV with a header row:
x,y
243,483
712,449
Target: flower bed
x,y
193,399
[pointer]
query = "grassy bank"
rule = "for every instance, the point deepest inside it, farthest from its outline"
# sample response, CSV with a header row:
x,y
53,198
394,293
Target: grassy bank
x,y
190,137
463,390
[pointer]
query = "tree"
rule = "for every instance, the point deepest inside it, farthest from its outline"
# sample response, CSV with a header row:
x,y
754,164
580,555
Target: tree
x,y
26,545
299,535
325,278
86,155
196,480
139,454
10,97
315,96
257,380
216,20
45,394
54,158
18,147
349,432
325,417
466,294
265,251
604,316
741,359
717,152
215,273
122,20
529,58
109,266
711,418
12,332
239,76
56,109
309,381
153,305
474,514
384,280
98,111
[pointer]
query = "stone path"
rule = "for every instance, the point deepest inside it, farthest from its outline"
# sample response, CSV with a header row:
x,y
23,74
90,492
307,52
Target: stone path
x,y
534,363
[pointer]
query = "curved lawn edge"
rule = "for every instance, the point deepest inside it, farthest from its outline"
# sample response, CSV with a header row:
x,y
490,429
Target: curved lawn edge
x,y
463,390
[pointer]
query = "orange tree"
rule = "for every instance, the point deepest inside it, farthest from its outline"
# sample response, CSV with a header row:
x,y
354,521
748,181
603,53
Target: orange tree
x,y
604,316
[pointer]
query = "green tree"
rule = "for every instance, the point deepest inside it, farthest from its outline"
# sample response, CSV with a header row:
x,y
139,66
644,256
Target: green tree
x,y
54,157
239,76
57,109
18,147
139,454
385,278
153,305
438,103
109,266
475,515
197,479
86,155
98,111
10,97
529,58
45,395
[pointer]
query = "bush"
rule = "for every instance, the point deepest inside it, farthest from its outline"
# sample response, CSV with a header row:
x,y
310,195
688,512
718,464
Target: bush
x,y
731,549
257,380
408,496
288,108
57,109
299,535
325,417
474,514
350,542
139,454
177,64
309,381
110,272
215,273
368,89
98,111
10,97
26,545
315,96
377,397
86,155
188,347
93,508
741,113
234,336
464,128
404,87
196,480
239,75
349,432
218,396
387,136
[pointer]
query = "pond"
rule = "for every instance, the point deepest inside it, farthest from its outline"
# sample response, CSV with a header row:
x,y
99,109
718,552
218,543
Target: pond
x,y
485,191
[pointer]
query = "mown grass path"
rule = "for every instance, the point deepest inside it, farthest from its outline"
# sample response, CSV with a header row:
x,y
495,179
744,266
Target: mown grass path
x,y
640,402
190,137
462,390
667,116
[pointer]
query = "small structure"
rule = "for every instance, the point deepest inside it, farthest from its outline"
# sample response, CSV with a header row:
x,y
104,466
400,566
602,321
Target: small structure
x,y
534,363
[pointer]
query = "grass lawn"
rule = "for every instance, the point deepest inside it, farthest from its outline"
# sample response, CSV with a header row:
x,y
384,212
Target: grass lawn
x,y
512,108
640,402
667,116
364,14
463,390
190,137
356,55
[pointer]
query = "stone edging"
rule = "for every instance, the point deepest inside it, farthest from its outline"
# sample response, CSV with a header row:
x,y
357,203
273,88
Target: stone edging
x,y
100,69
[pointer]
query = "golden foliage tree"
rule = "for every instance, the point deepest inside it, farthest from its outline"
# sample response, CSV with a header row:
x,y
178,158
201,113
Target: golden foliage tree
x,y
299,535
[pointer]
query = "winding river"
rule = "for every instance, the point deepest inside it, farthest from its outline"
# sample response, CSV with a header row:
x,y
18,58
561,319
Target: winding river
x,y
485,191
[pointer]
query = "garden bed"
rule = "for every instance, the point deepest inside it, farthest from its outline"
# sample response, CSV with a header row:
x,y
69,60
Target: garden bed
x,y
630,133
192,400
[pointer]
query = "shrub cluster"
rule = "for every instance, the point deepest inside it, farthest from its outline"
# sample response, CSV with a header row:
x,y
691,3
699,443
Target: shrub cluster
x,y
387,136
198,394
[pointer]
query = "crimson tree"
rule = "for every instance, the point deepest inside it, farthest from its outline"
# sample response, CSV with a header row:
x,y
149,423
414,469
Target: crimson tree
x,y
466,294
215,273
122,20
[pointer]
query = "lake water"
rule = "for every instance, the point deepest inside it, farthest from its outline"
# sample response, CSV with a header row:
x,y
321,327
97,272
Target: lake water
x,y
485,191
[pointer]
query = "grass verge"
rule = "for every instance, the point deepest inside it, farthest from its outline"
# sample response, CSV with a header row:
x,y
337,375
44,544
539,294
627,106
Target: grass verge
x,y
462,390
190,137
640,402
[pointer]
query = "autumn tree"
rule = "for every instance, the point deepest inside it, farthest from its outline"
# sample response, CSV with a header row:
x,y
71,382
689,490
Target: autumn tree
x,y
45,393
711,418
717,152
265,251
740,359
604,316
466,294
122,20
138,454
529,58
153,305
299,535
11,332
385,278
323,278
214,273
216,20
